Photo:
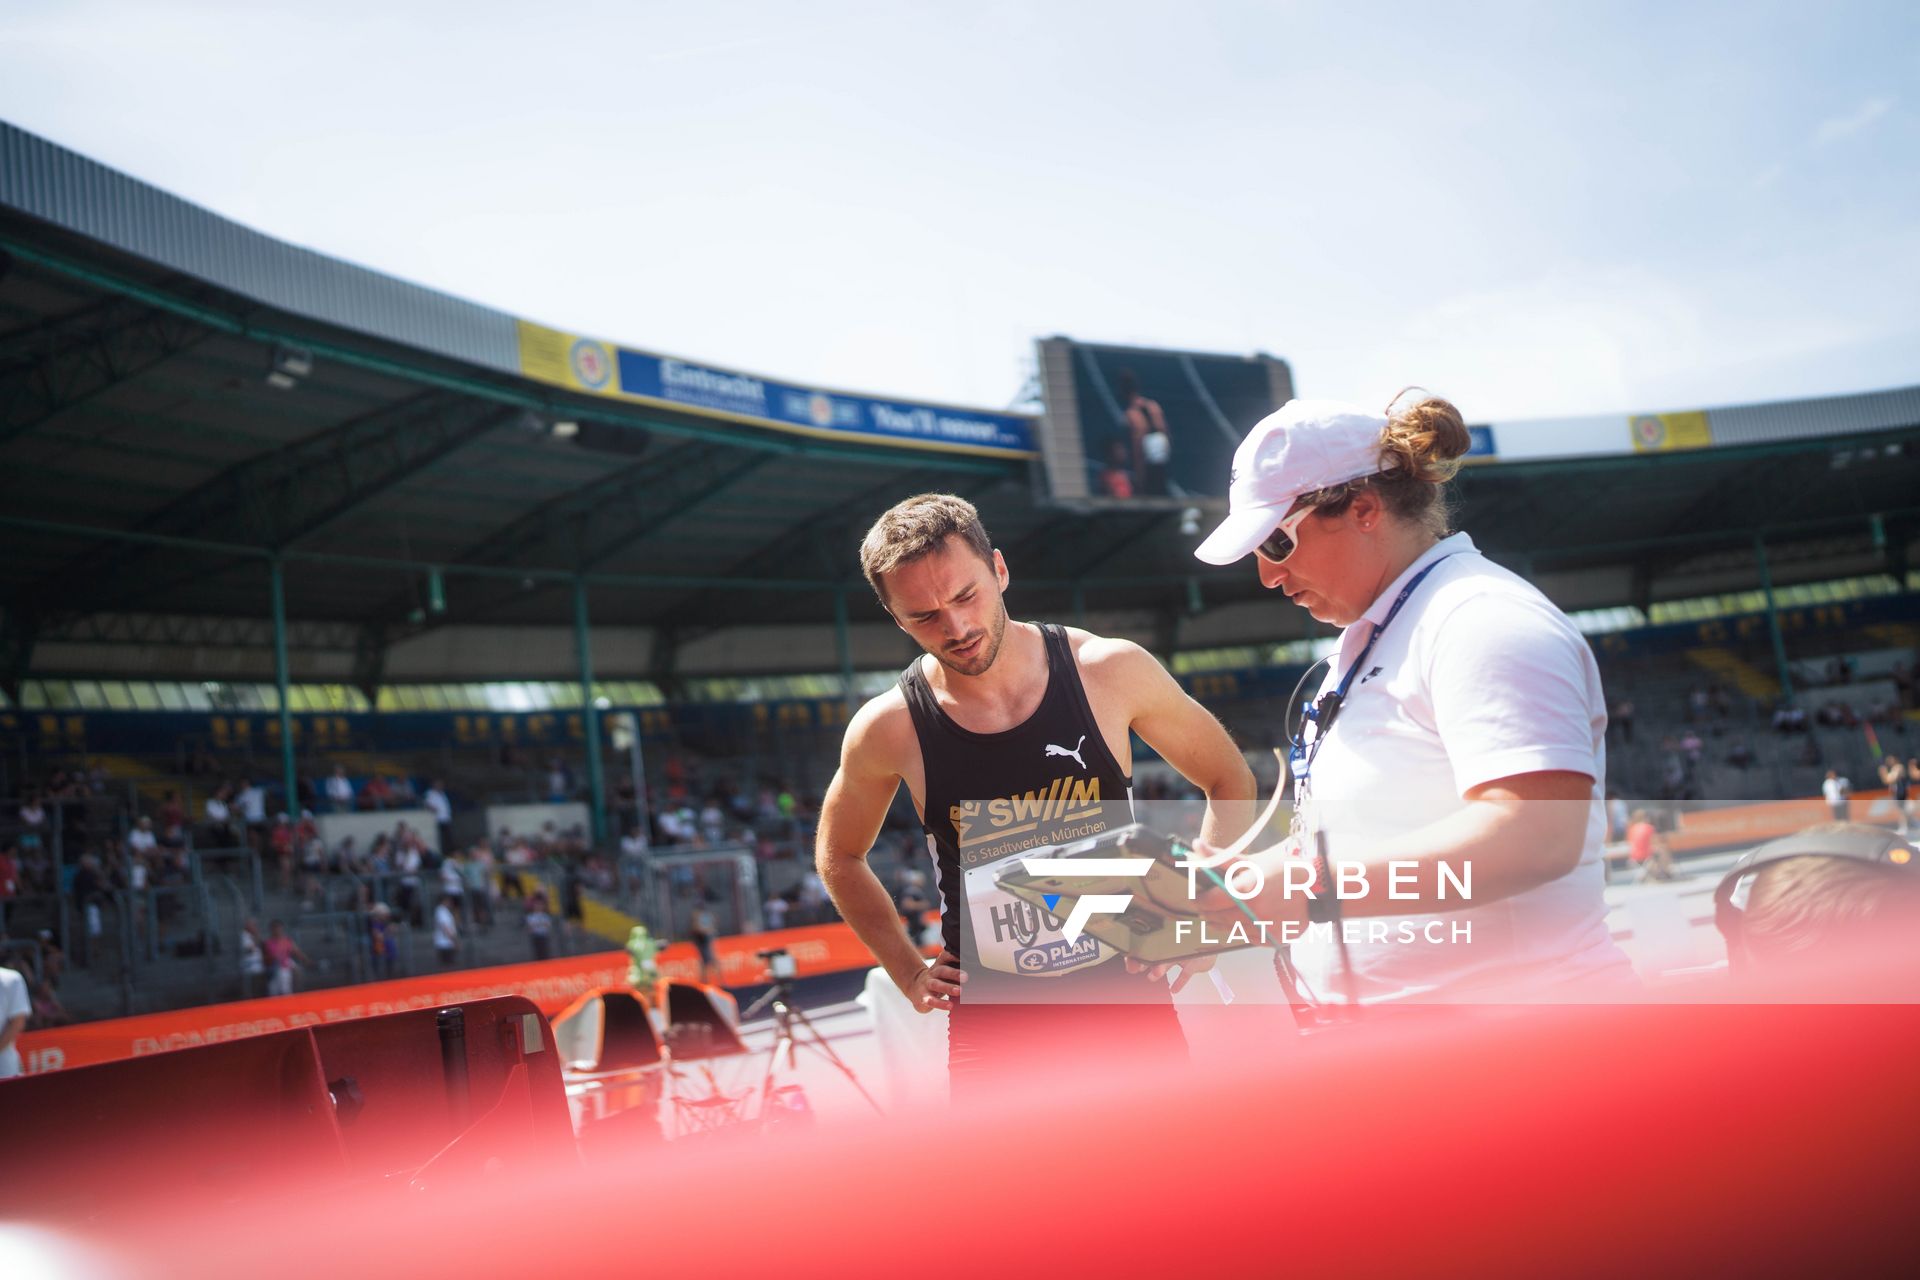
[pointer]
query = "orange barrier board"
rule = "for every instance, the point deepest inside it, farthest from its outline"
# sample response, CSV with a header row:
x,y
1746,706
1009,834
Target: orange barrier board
x,y
549,984
1754,823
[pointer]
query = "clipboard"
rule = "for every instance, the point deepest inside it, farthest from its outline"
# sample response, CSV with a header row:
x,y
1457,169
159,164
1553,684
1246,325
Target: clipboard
x,y
1148,929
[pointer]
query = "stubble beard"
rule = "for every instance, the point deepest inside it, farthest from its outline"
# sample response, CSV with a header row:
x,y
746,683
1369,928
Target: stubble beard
x,y
989,649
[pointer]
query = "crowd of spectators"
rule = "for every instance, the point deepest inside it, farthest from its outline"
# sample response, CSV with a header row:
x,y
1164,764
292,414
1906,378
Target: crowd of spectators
x,y
806,903
399,888
64,809
773,818
1789,717
379,793
398,884
1840,702
135,853
1712,726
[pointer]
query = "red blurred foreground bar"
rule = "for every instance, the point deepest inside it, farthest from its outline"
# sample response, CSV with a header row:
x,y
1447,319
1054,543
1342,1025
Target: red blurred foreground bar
x,y
1692,1139
315,1110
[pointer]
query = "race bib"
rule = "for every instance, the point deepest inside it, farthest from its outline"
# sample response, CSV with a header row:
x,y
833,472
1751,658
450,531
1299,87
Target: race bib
x,y
1015,937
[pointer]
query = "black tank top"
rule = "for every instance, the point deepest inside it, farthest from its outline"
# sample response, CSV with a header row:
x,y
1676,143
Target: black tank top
x,y
990,795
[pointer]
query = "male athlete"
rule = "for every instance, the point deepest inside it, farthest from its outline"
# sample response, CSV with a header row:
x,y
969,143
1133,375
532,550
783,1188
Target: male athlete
x,y
1009,736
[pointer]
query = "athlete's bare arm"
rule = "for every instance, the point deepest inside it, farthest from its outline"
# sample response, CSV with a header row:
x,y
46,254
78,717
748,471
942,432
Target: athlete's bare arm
x,y
1130,690
879,752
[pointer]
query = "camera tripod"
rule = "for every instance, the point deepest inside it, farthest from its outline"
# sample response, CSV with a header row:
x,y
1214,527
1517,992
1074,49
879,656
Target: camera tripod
x,y
790,1022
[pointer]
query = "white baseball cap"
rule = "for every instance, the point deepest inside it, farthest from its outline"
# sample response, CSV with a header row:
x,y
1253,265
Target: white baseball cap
x,y
1302,446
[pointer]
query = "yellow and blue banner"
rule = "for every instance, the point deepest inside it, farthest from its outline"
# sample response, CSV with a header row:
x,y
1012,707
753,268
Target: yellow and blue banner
x,y
1665,432
592,367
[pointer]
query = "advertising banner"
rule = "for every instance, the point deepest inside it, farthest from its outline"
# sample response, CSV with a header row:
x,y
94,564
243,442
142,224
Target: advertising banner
x,y
1662,432
595,368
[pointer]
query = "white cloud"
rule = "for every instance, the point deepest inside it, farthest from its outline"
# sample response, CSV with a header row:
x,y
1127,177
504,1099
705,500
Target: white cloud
x,y
1838,127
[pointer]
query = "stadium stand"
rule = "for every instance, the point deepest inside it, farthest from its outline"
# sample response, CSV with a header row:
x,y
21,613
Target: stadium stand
x,y
266,514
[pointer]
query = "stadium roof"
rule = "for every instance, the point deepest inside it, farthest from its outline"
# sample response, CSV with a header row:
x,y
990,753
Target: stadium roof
x,y
183,401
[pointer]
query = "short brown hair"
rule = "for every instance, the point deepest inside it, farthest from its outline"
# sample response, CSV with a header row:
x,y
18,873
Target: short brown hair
x,y
918,527
1420,450
1796,905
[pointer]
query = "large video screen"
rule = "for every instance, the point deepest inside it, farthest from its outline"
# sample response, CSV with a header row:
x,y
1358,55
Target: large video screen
x,y
1139,424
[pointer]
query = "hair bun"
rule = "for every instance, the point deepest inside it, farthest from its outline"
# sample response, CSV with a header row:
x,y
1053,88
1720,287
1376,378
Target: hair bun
x,y
1426,438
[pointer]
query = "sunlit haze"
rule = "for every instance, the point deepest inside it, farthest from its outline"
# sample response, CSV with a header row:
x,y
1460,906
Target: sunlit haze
x,y
1537,209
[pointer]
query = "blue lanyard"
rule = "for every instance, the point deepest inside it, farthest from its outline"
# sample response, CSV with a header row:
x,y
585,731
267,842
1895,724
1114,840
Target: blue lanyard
x,y
1322,713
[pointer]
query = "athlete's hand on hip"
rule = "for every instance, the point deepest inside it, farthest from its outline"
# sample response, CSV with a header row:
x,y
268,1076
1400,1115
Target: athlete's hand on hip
x,y
1189,970
935,986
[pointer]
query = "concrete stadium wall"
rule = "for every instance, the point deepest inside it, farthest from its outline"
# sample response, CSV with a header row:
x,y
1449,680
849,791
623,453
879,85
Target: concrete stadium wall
x,y
795,649
531,819
547,653
530,653
57,658
363,827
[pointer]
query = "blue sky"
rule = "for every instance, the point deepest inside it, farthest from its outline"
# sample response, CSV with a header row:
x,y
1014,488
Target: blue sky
x,y
1538,209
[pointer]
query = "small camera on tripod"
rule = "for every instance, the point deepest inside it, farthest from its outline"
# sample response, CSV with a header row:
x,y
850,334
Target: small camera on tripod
x,y
780,964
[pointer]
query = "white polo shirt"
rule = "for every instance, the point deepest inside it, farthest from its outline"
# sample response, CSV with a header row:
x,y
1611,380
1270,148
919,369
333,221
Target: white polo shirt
x,y
1480,677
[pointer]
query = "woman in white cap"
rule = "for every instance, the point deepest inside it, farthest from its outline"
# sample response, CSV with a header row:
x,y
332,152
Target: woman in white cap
x,y
1458,735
